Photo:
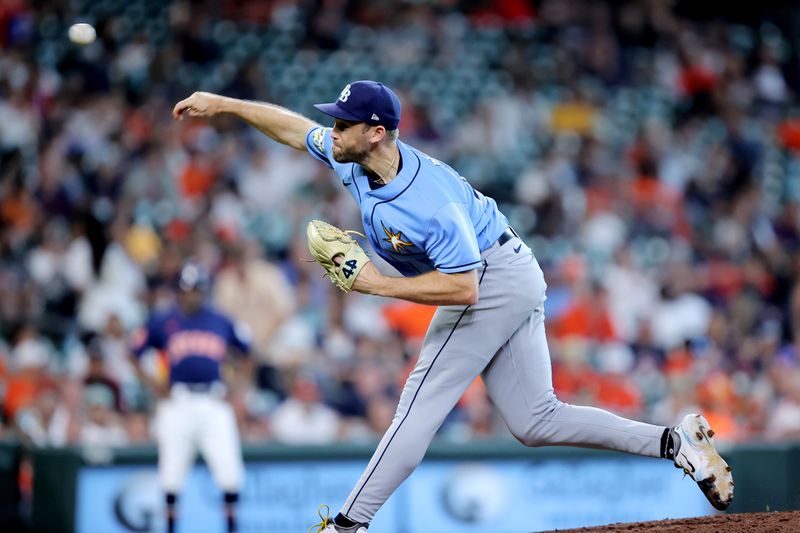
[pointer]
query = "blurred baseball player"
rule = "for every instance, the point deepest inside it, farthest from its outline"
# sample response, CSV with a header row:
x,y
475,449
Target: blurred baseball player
x,y
455,250
195,416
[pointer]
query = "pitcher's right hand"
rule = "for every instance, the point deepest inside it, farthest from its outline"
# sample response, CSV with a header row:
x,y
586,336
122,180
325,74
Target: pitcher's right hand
x,y
199,104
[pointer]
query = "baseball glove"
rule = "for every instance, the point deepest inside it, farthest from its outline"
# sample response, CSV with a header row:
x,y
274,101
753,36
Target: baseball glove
x,y
326,242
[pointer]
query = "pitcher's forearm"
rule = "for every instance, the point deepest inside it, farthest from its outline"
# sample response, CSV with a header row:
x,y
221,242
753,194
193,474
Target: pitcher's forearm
x,y
431,288
278,123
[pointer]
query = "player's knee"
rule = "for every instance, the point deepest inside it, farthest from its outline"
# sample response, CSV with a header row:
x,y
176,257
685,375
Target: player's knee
x,y
524,434
534,436
535,430
520,428
171,499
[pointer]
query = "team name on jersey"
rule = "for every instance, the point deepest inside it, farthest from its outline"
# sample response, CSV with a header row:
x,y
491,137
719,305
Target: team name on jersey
x,y
195,342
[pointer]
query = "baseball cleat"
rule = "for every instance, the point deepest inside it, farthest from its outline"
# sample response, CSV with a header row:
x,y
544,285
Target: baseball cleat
x,y
327,525
699,459
332,528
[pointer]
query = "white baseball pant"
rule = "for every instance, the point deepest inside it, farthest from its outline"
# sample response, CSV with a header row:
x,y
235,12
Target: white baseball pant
x,y
188,422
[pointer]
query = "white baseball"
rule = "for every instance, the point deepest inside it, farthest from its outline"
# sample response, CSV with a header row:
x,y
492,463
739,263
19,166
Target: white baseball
x,y
82,33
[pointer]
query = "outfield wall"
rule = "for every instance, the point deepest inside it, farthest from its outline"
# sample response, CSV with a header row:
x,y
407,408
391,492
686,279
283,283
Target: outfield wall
x,y
496,486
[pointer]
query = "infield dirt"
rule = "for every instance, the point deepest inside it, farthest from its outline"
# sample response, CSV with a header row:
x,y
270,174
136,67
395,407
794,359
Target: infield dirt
x,y
778,522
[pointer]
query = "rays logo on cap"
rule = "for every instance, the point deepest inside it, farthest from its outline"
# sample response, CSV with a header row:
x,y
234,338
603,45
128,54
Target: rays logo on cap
x,y
345,94
365,101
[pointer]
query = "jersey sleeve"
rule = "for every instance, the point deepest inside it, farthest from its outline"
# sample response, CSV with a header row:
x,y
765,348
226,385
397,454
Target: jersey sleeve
x,y
451,242
149,336
239,336
320,145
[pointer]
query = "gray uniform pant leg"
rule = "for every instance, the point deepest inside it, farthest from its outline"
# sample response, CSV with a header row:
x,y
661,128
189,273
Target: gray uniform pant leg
x,y
519,382
460,344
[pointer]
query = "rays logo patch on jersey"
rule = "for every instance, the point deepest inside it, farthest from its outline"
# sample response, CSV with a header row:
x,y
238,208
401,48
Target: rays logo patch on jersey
x,y
319,139
396,239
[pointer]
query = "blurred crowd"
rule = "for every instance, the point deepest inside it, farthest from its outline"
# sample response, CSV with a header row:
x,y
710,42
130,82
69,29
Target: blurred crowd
x,y
648,154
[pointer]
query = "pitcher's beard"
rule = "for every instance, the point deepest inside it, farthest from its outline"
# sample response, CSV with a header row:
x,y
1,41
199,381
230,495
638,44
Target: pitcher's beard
x,y
349,156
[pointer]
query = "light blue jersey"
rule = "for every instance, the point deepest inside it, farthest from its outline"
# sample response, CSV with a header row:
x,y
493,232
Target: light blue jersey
x,y
428,217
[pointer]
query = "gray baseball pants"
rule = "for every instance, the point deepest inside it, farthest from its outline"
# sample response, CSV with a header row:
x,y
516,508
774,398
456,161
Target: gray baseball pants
x,y
502,338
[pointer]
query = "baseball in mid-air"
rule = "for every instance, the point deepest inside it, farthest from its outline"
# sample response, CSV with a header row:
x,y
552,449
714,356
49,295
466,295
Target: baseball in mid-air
x,y
82,33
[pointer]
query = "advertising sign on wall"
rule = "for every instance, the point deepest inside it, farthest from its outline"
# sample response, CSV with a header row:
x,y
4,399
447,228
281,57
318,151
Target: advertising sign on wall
x,y
442,496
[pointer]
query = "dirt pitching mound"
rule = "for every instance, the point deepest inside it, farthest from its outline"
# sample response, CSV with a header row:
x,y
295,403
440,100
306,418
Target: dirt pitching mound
x,y
784,522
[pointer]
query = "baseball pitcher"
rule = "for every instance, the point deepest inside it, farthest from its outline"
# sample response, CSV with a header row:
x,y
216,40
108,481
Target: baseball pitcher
x,y
195,416
455,250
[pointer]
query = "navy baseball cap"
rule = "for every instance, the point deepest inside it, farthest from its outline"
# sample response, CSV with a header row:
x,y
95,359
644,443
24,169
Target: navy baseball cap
x,y
365,101
194,276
